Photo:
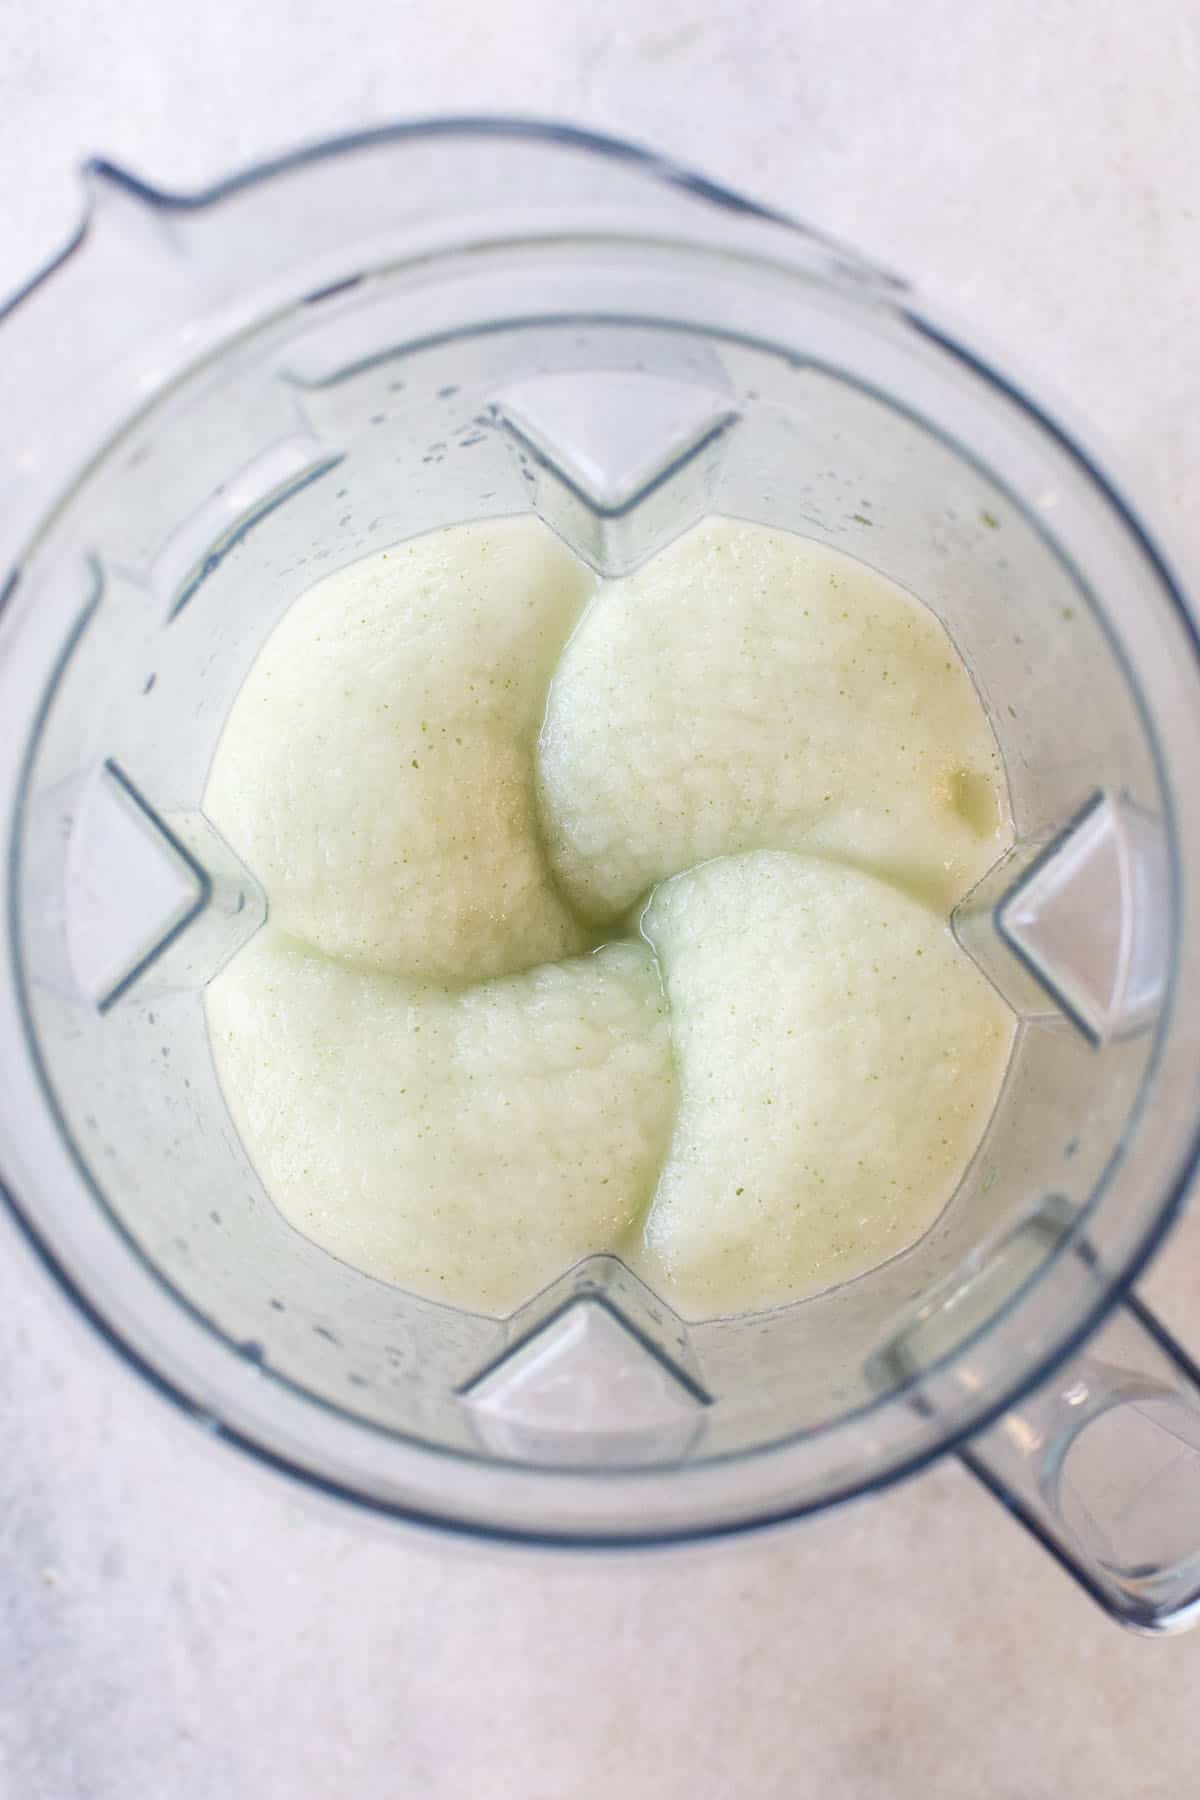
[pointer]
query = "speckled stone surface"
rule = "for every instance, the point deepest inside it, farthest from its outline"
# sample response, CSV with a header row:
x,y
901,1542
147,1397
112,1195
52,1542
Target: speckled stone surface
x,y
177,1626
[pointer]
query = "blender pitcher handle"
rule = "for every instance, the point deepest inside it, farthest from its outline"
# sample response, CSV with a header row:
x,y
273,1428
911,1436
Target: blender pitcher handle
x,y
1102,1464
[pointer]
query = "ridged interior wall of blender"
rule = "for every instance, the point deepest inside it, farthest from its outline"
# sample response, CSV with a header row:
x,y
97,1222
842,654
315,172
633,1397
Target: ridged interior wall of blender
x,y
330,434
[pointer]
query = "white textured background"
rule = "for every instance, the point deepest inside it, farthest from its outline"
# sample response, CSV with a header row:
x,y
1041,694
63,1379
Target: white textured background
x,y
175,1626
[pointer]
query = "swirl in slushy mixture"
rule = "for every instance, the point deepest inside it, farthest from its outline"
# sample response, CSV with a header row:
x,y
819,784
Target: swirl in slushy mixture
x,y
609,916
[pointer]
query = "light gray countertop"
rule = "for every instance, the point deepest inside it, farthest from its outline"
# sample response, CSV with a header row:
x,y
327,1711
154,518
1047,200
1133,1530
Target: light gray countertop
x,y
177,1626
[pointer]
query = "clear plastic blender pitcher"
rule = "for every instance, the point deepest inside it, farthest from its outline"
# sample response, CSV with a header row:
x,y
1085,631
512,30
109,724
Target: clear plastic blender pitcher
x,y
210,400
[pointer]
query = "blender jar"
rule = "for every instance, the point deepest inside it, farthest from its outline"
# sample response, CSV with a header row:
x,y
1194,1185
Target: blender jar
x,y
210,400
